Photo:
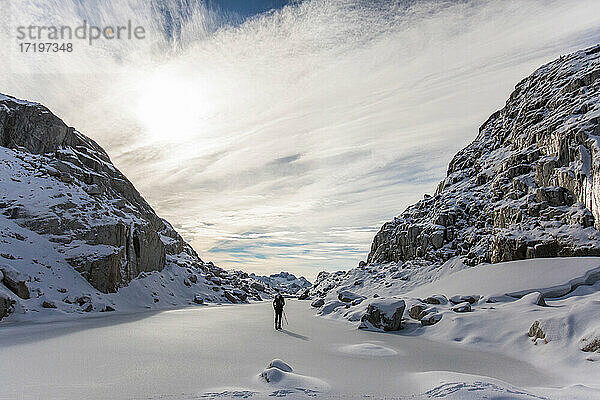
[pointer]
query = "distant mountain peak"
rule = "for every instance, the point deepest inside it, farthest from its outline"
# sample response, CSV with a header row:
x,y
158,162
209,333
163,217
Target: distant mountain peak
x,y
285,281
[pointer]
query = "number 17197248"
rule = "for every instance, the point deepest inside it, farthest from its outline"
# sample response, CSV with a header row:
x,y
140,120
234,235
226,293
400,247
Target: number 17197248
x,y
41,47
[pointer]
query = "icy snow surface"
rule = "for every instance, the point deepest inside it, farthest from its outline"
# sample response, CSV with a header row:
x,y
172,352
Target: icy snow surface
x,y
220,352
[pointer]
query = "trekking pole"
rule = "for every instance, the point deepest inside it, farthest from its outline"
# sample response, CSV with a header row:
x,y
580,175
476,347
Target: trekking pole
x,y
285,316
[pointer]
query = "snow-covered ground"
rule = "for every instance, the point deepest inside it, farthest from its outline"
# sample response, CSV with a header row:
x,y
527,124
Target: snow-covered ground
x,y
542,311
220,352
228,351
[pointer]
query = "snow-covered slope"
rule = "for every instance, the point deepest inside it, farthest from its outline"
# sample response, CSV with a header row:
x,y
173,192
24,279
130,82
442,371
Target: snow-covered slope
x,y
74,230
284,281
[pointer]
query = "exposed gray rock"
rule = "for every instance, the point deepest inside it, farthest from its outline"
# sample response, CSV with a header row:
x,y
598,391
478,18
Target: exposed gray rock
x,y
198,299
461,299
436,299
130,226
347,296
431,318
230,296
317,303
15,281
417,311
48,304
462,307
88,308
6,305
304,295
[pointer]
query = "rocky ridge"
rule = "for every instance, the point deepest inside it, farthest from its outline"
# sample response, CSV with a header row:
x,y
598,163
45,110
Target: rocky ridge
x,y
285,282
74,230
527,187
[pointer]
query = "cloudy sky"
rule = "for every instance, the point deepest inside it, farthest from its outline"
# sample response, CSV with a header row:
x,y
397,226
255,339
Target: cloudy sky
x,y
281,136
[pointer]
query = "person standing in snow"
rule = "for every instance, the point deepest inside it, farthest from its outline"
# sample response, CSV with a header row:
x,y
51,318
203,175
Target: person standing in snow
x,y
278,303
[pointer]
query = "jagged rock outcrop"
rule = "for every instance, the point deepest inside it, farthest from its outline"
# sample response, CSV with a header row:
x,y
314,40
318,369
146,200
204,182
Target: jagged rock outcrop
x,y
527,187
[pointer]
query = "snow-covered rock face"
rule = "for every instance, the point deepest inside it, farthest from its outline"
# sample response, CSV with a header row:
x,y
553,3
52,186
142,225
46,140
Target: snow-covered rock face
x,y
61,184
527,187
74,228
285,282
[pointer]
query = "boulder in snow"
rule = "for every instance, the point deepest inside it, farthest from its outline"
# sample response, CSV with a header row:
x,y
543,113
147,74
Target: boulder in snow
x,y
347,296
461,299
317,303
436,299
15,281
535,298
198,299
304,295
431,318
462,307
230,297
417,311
279,374
384,313
48,304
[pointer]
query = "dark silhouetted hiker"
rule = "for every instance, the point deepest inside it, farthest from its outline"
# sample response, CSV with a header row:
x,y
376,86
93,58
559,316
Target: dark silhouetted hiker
x,y
278,303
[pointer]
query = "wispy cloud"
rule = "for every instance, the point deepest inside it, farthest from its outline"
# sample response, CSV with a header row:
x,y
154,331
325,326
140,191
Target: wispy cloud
x,y
285,141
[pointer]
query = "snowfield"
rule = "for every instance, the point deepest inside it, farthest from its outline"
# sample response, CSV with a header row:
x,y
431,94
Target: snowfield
x,y
232,351
220,352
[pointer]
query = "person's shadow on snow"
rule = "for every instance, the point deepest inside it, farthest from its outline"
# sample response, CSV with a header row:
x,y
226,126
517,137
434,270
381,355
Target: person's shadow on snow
x,y
295,335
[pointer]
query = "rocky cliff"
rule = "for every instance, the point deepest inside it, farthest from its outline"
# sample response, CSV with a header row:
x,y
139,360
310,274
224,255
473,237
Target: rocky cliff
x,y
527,187
65,209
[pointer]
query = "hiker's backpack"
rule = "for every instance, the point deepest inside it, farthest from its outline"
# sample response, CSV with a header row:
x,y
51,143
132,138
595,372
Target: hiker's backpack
x,y
278,302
